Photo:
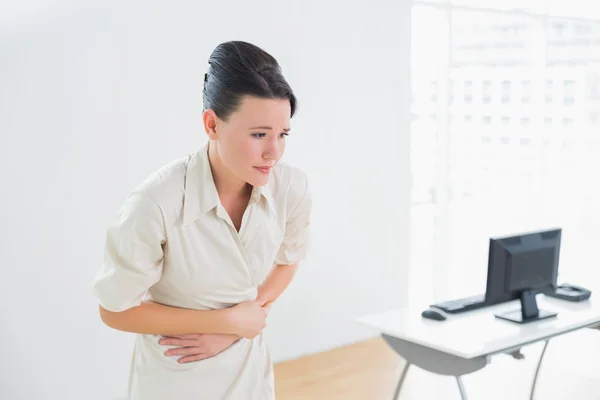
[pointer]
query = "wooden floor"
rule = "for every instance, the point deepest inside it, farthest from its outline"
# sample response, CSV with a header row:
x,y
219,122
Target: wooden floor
x,y
370,371
363,371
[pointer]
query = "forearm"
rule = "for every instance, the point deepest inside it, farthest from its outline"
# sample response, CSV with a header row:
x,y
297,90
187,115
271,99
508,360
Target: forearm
x,y
157,319
278,280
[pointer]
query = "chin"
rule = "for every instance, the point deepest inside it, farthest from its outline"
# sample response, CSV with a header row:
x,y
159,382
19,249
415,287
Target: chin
x,y
258,179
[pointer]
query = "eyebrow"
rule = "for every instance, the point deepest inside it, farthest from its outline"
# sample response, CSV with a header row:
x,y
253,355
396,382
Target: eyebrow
x,y
268,128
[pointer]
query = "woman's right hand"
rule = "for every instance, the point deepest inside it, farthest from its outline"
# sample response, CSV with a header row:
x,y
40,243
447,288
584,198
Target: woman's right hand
x,y
249,318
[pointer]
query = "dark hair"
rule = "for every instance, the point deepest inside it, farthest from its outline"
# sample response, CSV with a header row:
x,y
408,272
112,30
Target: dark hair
x,y
238,69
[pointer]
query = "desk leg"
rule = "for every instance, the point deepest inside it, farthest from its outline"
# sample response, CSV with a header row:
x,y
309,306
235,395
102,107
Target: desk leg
x,y
537,370
461,387
402,377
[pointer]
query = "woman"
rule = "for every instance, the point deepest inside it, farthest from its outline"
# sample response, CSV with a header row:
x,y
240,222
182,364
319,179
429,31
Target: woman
x,y
200,250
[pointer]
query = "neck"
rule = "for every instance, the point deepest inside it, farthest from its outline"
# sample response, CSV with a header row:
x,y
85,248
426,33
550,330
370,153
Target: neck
x,y
226,183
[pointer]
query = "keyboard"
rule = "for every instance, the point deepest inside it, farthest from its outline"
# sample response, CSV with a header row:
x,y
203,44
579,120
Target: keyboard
x,y
462,305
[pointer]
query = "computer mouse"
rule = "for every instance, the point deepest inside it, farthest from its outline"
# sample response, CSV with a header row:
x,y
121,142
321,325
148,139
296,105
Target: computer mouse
x,y
433,314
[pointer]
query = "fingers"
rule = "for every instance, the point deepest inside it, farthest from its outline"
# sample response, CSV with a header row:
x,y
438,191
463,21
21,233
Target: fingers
x,y
178,342
186,336
196,357
184,351
195,336
262,301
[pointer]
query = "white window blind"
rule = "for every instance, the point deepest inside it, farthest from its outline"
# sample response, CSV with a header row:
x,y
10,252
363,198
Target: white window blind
x,y
505,136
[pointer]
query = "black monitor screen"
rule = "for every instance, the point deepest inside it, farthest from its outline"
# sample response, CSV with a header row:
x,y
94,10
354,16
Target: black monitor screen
x,y
530,269
528,261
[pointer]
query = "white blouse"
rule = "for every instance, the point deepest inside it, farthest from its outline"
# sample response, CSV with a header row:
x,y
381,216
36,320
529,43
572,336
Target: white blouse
x,y
172,242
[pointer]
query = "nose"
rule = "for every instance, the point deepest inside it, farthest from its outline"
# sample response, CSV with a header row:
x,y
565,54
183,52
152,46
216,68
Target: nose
x,y
273,150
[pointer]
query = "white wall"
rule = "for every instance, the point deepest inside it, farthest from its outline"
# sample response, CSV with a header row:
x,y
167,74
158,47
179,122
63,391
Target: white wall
x,y
94,99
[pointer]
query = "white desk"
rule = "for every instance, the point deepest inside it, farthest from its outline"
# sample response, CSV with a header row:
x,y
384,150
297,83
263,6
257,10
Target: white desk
x,y
464,342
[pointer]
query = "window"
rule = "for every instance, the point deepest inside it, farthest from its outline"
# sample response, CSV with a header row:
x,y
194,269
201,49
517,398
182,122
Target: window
x,y
549,91
524,90
506,91
569,92
486,92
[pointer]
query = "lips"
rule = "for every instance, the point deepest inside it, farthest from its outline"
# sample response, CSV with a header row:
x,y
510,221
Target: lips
x,y
264,170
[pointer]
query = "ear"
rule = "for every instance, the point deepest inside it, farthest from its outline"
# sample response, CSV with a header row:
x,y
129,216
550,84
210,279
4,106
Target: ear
x,y
210,119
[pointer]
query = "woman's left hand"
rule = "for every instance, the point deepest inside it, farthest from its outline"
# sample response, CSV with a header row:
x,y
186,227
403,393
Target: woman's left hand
x,y
197,346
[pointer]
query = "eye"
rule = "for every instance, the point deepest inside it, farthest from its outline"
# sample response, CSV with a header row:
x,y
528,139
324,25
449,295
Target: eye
x,y
259,135
283,134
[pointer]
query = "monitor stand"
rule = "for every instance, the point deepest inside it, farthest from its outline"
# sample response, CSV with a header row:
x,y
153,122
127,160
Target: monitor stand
x,y
529,311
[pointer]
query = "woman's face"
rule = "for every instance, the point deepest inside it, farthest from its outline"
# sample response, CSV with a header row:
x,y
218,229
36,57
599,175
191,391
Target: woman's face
x,y
252,140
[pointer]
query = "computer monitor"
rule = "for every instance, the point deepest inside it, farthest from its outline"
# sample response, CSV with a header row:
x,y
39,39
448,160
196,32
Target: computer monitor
x,y
521,266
